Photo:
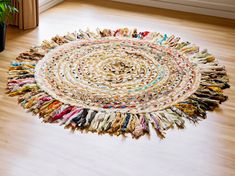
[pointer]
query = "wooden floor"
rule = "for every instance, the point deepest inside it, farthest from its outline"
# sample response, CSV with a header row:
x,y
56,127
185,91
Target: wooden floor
x,y
30,148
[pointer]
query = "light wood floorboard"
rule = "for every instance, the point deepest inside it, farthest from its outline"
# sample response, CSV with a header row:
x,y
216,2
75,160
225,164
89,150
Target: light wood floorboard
x,y
30,148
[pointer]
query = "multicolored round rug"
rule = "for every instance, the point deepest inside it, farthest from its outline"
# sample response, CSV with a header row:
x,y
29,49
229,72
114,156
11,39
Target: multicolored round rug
x,y
118,82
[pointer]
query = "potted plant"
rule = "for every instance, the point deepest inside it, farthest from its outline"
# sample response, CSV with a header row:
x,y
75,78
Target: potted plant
x,y
6,11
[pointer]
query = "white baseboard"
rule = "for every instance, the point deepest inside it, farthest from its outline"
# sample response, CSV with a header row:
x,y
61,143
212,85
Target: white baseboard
x,y
199,7
46,4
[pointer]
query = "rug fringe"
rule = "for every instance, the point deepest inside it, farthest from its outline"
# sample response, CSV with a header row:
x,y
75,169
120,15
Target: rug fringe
x,y
208,96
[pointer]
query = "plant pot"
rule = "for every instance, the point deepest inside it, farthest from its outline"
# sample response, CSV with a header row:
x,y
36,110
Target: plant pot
x,y
2,36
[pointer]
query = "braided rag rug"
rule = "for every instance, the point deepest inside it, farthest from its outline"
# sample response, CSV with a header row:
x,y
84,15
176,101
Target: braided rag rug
x,y
118,82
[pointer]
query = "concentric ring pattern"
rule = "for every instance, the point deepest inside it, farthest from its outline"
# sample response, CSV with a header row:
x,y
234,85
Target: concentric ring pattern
x,y
117,75
118,82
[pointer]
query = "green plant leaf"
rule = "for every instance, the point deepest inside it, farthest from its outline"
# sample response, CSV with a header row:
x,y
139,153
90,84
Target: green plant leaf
x,y
6,10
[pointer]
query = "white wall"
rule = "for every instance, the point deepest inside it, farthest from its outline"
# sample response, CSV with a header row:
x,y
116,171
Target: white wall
x,y
46,4
220,8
